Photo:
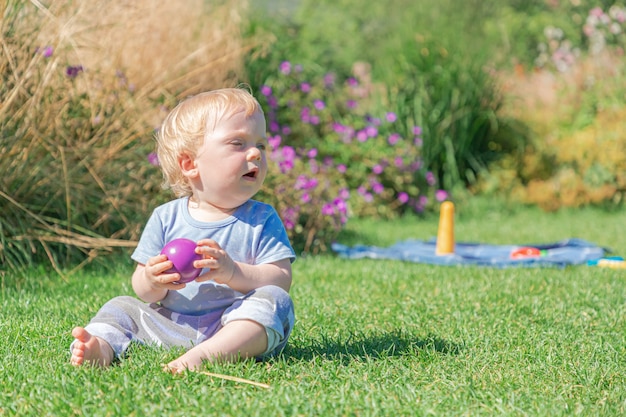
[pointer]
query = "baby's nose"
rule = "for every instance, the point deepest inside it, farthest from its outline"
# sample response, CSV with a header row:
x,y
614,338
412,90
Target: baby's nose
x,y
254,154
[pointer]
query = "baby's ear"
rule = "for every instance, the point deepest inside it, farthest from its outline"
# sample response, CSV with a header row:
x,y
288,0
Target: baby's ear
x,y
188,166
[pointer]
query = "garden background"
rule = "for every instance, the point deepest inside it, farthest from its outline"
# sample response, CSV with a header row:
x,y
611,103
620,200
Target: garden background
x,y
378,112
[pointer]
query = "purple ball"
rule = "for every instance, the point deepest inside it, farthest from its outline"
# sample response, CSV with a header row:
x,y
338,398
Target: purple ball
x,y
182,254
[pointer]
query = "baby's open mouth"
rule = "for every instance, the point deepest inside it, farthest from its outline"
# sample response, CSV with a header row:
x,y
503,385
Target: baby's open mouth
x,y
251,174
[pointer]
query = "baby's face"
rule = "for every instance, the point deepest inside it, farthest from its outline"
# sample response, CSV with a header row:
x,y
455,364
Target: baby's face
x,y
231,162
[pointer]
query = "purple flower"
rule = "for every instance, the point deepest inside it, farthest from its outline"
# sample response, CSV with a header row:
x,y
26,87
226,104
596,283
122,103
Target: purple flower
x,y
266,90
305,115
361,136
344,193
274,141
393,138
375,121
306,198
312,153
290,217
421,203
285,67
73,71
342,168
300,182
289,224
352,82
377,187
430,178
289,152
403,197
319,104
305,87
153,159
338,127
47,52
351,104
285,157
314,166
329,80
416,165
312,183
377,169
391,117
328,209
340,205
417,130
304,183
398,162
441,195
371,131
285,166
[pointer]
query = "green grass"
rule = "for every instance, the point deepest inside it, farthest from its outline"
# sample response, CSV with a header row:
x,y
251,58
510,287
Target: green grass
x,y
372,337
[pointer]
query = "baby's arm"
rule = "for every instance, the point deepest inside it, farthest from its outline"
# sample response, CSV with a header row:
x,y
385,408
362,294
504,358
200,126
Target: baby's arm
x,y
239,276
149,281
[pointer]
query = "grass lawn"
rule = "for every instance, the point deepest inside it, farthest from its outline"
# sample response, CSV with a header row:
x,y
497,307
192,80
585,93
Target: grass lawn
x,y
372,337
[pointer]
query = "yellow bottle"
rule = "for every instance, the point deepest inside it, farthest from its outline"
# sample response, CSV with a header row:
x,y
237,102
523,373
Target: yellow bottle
x,y
445,233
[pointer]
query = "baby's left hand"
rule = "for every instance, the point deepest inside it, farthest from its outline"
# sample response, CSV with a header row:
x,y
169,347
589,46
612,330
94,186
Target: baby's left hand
x,y
221,265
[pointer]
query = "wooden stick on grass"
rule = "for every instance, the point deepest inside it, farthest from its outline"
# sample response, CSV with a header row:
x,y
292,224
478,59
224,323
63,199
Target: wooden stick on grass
x,y
236,379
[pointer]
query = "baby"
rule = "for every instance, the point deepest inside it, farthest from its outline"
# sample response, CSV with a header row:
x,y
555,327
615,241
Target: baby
x,y
212,150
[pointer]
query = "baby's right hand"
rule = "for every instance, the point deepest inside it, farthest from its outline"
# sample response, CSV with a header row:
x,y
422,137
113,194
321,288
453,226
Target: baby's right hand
x,y
157,273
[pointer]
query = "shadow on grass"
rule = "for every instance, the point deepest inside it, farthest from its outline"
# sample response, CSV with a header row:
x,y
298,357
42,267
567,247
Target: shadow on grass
x,y
369,346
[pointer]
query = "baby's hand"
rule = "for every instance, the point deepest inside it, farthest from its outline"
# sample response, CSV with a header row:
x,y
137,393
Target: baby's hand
x,y
221,265
157,275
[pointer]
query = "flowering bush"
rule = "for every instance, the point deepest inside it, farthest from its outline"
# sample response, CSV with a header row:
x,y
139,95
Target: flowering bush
x,y
334,158
557,52
603,29
575,156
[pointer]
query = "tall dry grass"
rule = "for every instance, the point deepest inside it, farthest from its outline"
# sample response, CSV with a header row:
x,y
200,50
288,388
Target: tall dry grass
x,y
83,86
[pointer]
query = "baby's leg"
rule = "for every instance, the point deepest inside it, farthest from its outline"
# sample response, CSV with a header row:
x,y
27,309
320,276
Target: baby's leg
x,y
258,324
90,350
240,339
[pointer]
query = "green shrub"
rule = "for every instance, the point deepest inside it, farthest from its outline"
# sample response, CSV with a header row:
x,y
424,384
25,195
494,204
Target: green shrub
x,y
455,100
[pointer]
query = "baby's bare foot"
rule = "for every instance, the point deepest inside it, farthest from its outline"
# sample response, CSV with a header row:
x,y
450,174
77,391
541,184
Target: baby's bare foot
x,y
191,360
90,350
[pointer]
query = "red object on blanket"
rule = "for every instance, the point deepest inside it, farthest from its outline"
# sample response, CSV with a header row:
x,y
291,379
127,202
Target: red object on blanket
x,y
525,252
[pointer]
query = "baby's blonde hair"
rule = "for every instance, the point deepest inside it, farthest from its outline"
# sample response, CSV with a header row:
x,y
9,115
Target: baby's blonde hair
x,y
184,129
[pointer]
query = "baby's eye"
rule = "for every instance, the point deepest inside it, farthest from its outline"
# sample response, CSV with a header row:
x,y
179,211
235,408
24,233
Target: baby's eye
x,y
262,146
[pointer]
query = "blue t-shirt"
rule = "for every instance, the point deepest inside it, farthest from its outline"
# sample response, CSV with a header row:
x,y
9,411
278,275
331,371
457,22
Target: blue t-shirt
x,y
253,234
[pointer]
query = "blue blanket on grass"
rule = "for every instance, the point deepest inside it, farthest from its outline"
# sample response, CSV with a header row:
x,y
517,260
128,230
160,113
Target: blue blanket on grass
x,y
558,254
